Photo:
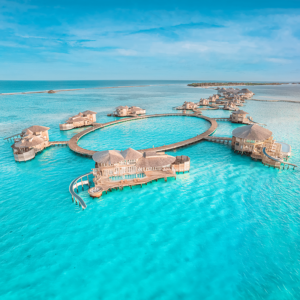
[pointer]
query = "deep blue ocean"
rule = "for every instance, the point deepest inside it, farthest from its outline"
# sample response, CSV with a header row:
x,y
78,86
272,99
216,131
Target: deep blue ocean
x,y
228,229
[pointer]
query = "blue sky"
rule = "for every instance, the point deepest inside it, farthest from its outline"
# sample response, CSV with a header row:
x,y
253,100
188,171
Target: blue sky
x,y
183,40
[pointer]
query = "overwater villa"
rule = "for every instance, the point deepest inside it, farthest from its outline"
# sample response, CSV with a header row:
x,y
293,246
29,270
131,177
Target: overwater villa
x,y
245,93
125,111
257,142
33,140
85,118
203,102
230,105
189,105
115,168
239,116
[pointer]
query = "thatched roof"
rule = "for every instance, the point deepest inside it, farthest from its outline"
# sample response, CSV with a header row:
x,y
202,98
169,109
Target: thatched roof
x,y
252,132
108,157
79,119
222,90
155,161
131,154
122,107
36,128
89,112
240,112
28,142
27,132
150,154
245,91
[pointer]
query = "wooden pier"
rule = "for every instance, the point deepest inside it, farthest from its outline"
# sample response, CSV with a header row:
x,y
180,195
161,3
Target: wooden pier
x,y
58,143
219,139
74,140
12,137
222,119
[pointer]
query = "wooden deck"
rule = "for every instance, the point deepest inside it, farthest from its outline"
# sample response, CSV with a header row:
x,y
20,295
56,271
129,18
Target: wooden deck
x,y
219,139
58,143
74,140
108,185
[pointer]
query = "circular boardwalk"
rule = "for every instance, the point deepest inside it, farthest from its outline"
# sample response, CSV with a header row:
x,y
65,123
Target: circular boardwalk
x,y
74,140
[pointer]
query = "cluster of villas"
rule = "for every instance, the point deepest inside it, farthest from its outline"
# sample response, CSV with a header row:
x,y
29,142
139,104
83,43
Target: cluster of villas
x,y
230,93
85,118
125,111
258,142
114,168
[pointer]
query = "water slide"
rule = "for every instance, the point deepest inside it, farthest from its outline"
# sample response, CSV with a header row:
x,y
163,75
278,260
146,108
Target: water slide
x,y
277,159
74,184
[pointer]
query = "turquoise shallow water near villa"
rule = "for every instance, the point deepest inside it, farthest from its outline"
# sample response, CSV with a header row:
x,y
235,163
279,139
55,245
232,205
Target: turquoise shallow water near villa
x,y
229,229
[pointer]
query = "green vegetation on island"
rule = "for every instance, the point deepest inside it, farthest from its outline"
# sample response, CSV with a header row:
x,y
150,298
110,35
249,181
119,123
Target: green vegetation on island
x,y
202,84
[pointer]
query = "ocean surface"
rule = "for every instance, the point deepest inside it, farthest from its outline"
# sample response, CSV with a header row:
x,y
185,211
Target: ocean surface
x,y
228,229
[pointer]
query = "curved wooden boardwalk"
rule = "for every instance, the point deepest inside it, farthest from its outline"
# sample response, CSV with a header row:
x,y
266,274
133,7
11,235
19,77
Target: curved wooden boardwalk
x,y
74,140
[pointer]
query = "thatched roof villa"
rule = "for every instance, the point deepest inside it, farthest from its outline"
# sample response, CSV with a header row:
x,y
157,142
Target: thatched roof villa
x,y
125,111
251,140
115,168
230,105
246,93
189,105
33,140
203,102
239,116
85,118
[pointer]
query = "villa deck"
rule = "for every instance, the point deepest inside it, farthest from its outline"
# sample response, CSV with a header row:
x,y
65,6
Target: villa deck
x,y
109,185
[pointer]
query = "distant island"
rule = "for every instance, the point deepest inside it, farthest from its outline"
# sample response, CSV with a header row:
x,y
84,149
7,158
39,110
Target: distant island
x,y
202,84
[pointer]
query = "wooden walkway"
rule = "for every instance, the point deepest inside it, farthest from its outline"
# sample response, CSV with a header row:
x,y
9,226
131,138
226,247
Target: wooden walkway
x,y
74,140
151,176
222,119
58,143
219,139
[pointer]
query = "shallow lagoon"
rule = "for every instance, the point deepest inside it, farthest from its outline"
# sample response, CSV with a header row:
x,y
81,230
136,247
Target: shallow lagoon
x,y
228,229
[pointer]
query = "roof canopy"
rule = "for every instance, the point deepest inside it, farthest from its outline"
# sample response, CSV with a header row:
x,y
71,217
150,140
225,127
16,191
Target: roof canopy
x,y
245,91
131,154
240,112
108,156
155,161
89,112
252,132
36,128
29,141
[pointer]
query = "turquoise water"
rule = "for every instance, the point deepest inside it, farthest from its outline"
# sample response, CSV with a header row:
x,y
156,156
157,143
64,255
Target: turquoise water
x,y
229,229
143,134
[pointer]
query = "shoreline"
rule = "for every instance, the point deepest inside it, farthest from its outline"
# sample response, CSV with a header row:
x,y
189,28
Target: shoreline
x,y
219,84
69,90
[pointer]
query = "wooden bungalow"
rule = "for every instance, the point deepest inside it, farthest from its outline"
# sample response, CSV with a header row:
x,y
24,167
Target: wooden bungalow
x,y
239,116
135,110
85,118
252,139
189,105
33,140
125,111
245,93
230,106
37,130
203,102
222,91
130,167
